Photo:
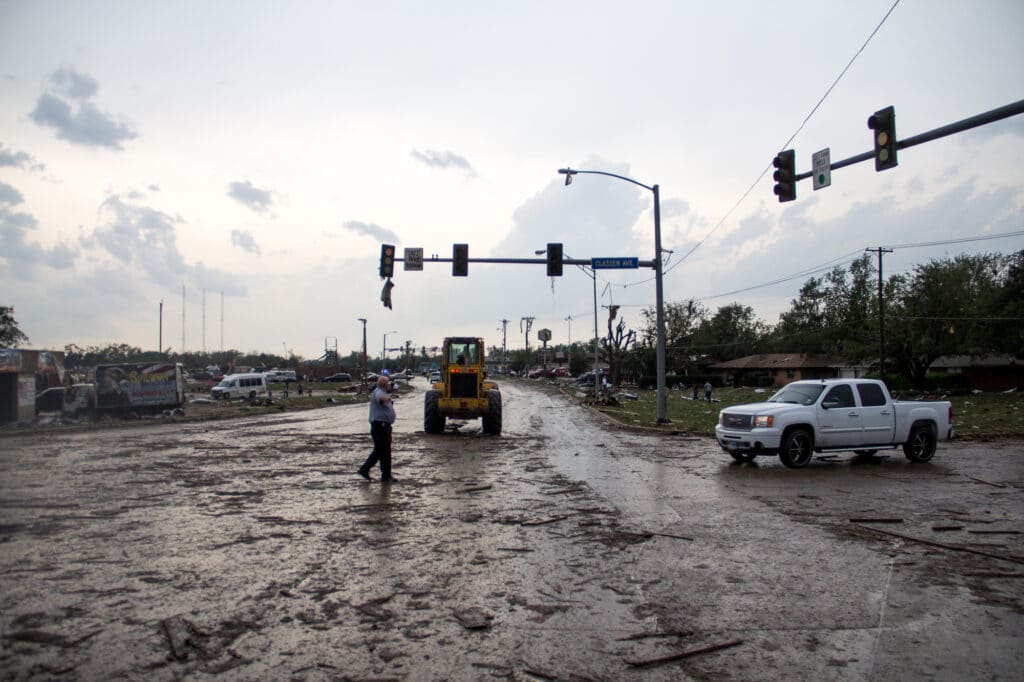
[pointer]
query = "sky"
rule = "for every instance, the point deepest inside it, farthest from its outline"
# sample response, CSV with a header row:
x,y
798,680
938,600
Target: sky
x,y
241,163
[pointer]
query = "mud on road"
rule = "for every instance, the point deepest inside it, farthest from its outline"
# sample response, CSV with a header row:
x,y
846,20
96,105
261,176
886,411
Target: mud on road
x,y
564,549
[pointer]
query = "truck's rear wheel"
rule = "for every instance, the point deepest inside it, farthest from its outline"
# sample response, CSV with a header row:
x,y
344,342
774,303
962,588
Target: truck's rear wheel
x,y
920,446
492,420
797,448
433,420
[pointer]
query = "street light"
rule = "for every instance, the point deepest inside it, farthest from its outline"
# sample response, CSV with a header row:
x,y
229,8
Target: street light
x,y
659,297
597,354
363,320
384,350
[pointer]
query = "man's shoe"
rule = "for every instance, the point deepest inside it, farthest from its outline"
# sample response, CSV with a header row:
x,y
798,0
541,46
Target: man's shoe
x,y
364,474
389,479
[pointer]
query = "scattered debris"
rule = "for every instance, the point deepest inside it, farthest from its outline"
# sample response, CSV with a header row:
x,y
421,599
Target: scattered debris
x,y
476,489
981,480
540,521
178,635
473,618
954,548
685,654
881,520
648,635
945,528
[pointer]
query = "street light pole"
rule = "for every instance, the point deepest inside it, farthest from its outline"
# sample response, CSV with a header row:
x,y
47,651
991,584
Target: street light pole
x,y
363,320
384,350
659,295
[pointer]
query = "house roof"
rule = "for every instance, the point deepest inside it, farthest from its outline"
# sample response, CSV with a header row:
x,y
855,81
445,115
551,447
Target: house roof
x,y
961,361
781,361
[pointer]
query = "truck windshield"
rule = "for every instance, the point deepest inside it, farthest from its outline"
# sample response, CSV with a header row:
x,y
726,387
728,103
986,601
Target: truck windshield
x,y
801,395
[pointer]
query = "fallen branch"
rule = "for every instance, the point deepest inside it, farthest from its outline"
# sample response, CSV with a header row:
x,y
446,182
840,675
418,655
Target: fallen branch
x,y
953,548
476,489
981,480
648,635
685,654
670,535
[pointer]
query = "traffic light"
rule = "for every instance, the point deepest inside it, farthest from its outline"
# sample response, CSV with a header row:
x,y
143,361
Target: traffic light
x,y
883,122
785,176
387,260
385,293
460,260
554,260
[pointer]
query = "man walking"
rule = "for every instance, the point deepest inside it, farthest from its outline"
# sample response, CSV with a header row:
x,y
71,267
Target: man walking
x,y
382,416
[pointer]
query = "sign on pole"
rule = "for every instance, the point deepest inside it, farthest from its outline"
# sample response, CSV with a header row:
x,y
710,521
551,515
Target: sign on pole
x,y
413,259
615,263
822,168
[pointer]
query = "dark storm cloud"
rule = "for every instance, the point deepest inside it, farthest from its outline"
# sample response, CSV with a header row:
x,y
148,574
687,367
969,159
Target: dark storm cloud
x,y
243,240
371,230
444,160
256,198
18,159
66,108
145,239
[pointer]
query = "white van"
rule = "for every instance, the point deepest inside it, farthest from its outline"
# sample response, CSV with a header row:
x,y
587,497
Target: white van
x,y
241,386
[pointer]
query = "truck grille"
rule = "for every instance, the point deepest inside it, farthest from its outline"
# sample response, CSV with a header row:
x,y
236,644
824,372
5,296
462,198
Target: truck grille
x,y
463,385
740,422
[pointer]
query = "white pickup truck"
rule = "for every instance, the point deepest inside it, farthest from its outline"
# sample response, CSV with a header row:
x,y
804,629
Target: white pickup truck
x,y
833,415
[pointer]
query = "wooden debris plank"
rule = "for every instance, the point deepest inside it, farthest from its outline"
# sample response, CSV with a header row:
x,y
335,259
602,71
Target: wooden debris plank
x,y
685,654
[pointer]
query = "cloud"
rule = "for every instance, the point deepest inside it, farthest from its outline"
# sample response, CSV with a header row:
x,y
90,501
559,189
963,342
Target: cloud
x,y
70,83
372,230
256,198
444,160
243,240
67,109
145,240
22,256
12,159
9,195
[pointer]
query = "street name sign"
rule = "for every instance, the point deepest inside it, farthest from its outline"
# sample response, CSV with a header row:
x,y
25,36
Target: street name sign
x,y
615,263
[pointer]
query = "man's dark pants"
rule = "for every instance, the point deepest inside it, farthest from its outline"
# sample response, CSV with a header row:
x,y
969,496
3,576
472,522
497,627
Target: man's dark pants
x,y
380,432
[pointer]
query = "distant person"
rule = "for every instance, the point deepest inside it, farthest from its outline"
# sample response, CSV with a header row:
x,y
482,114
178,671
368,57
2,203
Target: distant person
x,y
707,391
382,416
695,389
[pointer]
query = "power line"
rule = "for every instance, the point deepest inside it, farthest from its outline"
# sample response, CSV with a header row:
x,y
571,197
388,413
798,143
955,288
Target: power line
x,y
791,138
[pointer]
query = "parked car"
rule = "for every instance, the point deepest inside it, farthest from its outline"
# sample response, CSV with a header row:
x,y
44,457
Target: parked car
x,y
435,376
340,376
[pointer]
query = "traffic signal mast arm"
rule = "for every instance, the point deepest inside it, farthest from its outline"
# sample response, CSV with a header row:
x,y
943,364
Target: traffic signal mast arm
x,y
944,131
523,261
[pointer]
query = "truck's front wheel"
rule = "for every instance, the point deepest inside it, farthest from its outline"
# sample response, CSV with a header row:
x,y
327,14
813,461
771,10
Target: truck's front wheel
x,y
797,448
433,420
920,446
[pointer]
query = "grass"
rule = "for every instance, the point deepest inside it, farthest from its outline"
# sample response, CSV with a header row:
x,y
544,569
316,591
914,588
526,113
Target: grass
x,y
982,415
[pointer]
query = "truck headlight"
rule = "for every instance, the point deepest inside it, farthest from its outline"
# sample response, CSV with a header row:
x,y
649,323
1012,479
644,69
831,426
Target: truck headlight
x,y
764,421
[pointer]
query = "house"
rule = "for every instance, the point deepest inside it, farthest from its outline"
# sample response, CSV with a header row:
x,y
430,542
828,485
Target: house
x,y
25,374
780,368
983,372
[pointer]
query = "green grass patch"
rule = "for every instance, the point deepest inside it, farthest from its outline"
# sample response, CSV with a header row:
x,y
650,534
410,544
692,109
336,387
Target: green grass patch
x,y
982,415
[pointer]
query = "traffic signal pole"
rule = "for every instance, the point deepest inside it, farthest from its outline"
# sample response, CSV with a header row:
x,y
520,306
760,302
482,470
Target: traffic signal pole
x,y
944,131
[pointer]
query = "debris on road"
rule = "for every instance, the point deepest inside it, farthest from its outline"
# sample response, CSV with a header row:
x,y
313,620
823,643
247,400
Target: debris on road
x,y
685,654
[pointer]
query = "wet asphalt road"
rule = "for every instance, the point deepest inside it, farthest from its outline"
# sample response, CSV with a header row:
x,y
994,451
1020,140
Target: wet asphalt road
x,y
564,549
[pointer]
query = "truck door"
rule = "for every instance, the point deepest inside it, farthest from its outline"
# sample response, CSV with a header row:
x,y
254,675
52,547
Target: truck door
x,y
839,419
876,414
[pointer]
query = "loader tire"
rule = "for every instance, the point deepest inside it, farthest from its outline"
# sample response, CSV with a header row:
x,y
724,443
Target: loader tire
x,y
433,420
492,420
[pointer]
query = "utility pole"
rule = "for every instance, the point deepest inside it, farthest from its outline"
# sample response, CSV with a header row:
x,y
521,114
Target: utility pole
x,y
569,320
881,313
504,342
160,338
526,335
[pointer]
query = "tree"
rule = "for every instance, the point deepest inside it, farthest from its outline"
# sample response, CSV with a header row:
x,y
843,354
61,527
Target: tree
x,y
946,307
733,332
681,322
10,335
615,348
